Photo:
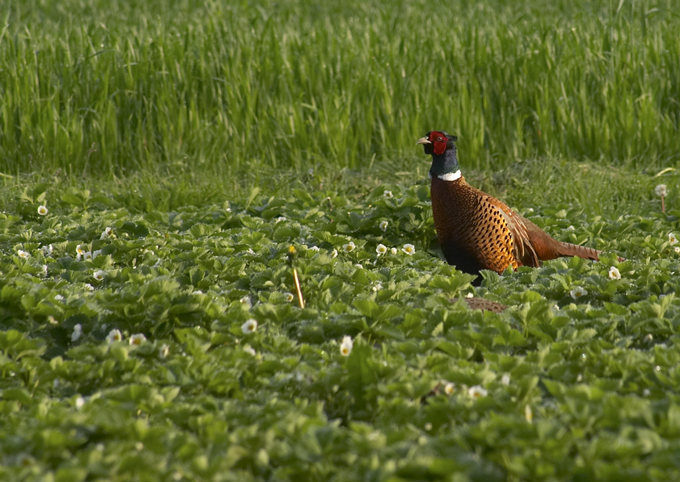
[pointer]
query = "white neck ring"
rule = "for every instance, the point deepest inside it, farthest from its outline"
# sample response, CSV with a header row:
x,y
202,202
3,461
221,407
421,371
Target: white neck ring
x,y
450,176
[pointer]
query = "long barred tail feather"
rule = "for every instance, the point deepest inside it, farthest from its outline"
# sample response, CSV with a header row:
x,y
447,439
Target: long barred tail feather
x,y
568,249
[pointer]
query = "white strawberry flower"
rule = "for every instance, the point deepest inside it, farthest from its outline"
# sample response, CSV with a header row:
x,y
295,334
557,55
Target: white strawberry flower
x,y
137,339
108,231
672,239
578,292
449,388
614,273
23,254
346,346
77,332
409,249
477,391
381,249
249,326
114,335
164,351
42,210
388,194
349,247
383,225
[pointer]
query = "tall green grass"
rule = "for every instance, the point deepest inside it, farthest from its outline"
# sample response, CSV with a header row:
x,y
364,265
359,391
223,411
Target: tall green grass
x,y
105,87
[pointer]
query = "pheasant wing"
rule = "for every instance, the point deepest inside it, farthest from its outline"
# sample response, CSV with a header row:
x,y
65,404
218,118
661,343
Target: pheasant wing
x,y
524,250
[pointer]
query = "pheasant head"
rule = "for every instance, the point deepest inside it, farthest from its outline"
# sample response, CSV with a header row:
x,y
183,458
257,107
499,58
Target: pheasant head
x,y
442,147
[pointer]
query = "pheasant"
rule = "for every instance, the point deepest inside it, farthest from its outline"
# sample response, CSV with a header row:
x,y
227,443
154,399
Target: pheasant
x,y
477,231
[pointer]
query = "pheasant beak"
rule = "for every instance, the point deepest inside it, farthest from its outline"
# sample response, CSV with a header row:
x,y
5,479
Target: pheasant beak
x,y
424,140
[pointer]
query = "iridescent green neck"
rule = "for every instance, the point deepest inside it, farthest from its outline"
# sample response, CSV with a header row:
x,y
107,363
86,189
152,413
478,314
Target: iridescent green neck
x,y
445,166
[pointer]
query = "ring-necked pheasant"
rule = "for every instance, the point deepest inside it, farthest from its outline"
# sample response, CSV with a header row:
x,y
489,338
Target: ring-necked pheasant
x,y
477,231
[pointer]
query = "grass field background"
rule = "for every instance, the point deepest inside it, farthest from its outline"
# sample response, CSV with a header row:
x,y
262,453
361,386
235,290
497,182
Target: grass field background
x,y
158,160
106,86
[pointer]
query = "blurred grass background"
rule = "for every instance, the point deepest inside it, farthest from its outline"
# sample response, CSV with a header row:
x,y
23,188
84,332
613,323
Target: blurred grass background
x,y
106,87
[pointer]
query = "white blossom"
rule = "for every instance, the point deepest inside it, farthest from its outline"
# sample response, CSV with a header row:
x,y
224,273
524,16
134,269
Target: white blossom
x,y
477,391
614,273
578,292
349,247
77,332
346,346
137,339
114,335
108,231
164,351
249,326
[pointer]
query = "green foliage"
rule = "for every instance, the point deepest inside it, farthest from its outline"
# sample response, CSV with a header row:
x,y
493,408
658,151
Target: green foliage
x,y
105,87
125,351
570,388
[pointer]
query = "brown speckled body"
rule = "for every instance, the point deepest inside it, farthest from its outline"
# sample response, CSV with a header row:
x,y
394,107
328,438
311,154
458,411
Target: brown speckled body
x,y
477,231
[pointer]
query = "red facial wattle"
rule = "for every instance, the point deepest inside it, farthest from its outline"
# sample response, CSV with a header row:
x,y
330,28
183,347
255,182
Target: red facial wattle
x,y
439,141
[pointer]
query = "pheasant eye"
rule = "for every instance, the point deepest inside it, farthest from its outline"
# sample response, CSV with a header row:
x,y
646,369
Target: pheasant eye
x,y
439,139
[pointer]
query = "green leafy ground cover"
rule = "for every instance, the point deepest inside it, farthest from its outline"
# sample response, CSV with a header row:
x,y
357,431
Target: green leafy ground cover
x,y
584,388
171,122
